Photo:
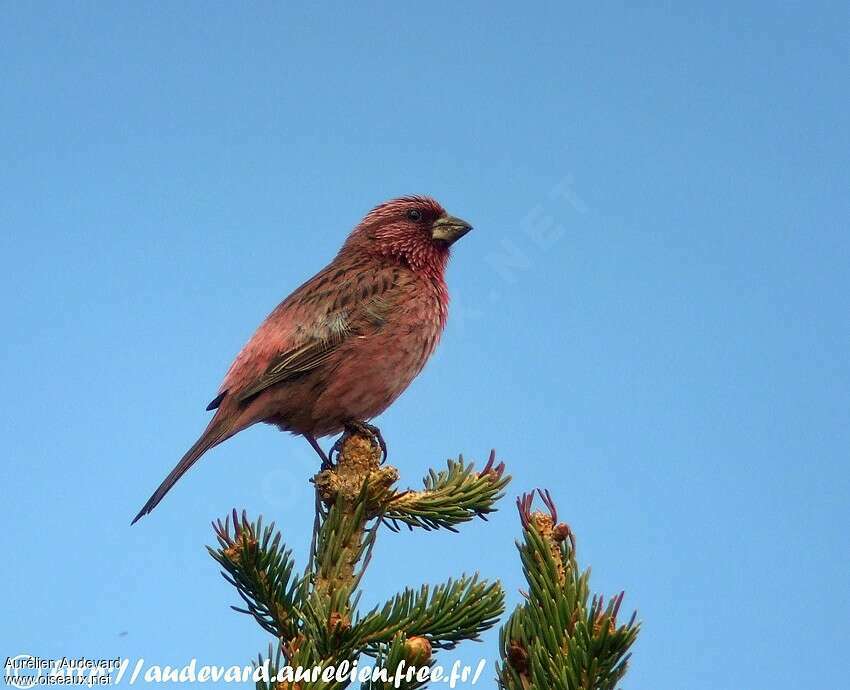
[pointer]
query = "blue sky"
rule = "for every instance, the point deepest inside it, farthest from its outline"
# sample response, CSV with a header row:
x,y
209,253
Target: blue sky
x,y
650,318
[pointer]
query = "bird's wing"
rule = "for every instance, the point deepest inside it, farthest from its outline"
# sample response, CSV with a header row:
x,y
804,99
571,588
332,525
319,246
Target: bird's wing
x,y
296,361
357,307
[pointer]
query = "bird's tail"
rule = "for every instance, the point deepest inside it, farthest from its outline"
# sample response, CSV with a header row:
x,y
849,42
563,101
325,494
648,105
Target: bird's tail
x,y
217,431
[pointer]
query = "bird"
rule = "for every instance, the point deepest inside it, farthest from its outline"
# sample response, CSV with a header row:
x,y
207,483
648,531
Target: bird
x,y
344,345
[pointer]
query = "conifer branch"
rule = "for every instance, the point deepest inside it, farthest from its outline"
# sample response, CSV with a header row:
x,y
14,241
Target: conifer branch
x,y
256,563
450,497
558,639
314,618
457,610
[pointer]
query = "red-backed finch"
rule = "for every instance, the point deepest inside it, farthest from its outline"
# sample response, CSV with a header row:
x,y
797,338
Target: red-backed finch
x,y
342,347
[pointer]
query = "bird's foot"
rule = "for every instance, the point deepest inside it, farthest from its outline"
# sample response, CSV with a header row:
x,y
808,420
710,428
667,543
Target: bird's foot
x,y
336,448
363,429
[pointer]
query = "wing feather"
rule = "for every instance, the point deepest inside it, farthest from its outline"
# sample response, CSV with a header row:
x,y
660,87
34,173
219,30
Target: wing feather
x,y
359,308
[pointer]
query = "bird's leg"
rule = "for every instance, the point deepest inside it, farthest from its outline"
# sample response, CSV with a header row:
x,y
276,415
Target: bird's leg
x,y
370,430
326,461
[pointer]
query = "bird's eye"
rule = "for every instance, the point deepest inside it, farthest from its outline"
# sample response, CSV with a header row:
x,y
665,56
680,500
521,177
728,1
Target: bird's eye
x,y
414,214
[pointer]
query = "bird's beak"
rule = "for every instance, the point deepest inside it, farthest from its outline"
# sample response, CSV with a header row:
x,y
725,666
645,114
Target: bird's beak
x,y
449,229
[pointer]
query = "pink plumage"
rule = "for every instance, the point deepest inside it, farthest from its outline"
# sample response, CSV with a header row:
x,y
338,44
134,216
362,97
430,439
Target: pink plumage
x,y
343,346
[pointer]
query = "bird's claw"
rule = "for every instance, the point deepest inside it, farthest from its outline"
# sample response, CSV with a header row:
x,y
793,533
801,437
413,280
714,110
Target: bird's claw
x,y
375,433
336,448
364,429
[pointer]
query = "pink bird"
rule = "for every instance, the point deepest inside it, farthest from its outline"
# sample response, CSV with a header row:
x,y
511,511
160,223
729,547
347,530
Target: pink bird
x,y
342,347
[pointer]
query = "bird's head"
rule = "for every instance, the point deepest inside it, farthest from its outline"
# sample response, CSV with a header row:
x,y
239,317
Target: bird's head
x,y
414,230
